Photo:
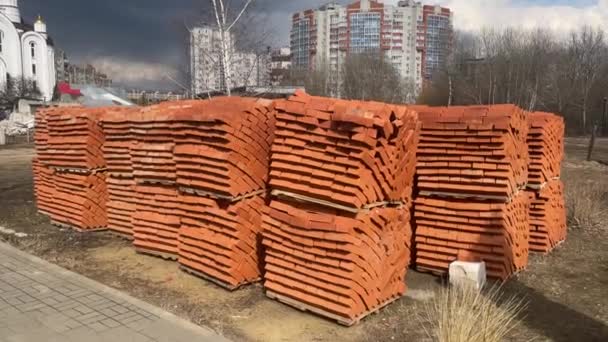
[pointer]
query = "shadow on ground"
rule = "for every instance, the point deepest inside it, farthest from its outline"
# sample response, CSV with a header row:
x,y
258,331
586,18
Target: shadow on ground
x,y
556,321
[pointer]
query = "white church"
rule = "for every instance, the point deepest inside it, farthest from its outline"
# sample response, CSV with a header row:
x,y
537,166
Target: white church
x,y
25,50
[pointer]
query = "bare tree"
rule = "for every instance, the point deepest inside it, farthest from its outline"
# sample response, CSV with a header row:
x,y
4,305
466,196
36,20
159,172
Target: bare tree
x,y
588,48
369,76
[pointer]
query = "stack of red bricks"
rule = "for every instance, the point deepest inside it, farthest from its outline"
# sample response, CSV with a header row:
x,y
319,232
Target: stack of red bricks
x,y
472,168
43,175
153,201
548,226
337,233
119,139
73,155
222,155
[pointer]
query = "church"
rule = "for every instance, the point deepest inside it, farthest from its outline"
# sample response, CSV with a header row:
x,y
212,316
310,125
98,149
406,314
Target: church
x,y
25,50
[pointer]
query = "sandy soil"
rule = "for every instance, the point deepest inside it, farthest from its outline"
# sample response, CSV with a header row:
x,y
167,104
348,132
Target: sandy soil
x,y
566,291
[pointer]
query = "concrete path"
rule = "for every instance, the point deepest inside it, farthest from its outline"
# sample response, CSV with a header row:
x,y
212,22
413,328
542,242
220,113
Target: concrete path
x,y
40,302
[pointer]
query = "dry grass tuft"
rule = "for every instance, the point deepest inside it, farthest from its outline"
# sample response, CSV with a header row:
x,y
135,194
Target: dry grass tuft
x,y
464,314
586,200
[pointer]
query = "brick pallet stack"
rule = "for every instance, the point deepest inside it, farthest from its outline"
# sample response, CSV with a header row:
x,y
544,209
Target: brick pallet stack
x,y
548,226
155,220
43,175
472,168
337,233
73,153
119,139
222,155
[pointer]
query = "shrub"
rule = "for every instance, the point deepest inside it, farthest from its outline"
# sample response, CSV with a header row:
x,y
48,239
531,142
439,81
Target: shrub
x,y
586,200
464,314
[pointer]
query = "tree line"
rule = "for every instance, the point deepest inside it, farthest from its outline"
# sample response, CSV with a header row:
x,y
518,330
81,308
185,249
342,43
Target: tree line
x,y
538,70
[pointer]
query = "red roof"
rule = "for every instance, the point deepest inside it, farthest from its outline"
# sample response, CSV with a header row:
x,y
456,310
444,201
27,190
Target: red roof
x,y
64,88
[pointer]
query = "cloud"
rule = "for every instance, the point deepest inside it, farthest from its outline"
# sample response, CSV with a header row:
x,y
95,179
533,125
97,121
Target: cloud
x,y
473,15
134,73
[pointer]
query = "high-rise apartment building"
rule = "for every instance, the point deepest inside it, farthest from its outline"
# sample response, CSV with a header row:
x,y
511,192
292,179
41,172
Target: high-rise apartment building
x,y
247,68
414,38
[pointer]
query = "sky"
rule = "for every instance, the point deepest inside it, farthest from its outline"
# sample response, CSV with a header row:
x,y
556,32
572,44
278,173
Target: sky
x,y
142,43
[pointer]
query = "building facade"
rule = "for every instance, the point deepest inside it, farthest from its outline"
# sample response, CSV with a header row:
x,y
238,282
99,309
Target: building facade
x,y
280,66
247,68
323,38
26,51
86,75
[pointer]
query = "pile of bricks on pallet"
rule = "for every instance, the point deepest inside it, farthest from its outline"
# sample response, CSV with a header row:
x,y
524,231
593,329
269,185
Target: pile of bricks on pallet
x,y
546,191
222,155
119,140
43,175
337,233
472,168
69,157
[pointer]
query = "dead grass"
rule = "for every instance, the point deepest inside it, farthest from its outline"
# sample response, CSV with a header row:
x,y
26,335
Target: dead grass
x,y
464,314
586,200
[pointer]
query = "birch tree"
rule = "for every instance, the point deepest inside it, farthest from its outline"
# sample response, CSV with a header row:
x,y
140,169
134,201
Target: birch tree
x,y
225,25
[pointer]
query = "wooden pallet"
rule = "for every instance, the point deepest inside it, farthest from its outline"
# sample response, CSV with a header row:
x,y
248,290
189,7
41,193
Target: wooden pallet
x,y
78,229
156,181
365,209
309,308
120,235
217,196
214,280
79,170
157,254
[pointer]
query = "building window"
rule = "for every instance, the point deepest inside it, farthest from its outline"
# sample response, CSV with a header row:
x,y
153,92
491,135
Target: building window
x,y
33,49
34,69
1,39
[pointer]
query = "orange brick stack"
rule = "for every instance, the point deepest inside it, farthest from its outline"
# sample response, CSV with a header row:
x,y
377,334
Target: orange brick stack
x,y
119,139
476,151
472,168
152,154
548,226
75,139
222,155
546,148
43,186
337,234
78,194
347,153
43,175
156,221
223,145
219,241
449,229
342,266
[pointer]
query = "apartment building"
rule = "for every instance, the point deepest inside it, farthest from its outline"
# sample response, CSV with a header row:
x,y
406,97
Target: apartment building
x,y
414,38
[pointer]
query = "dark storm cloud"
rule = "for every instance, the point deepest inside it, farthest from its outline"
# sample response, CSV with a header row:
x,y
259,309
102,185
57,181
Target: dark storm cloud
x,y
144,38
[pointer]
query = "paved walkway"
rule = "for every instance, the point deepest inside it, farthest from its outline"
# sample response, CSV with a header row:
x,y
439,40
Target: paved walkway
x,y
40,302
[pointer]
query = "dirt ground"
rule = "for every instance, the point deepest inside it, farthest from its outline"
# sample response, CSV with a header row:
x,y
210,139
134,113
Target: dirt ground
x,y
566,292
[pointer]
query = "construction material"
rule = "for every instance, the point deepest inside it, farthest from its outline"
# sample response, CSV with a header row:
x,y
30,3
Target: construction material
x,y
337,236
473,152
343,265
449,229
223,145
70,168
345,152
546,148
119,140
548,227
220,240
156,220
